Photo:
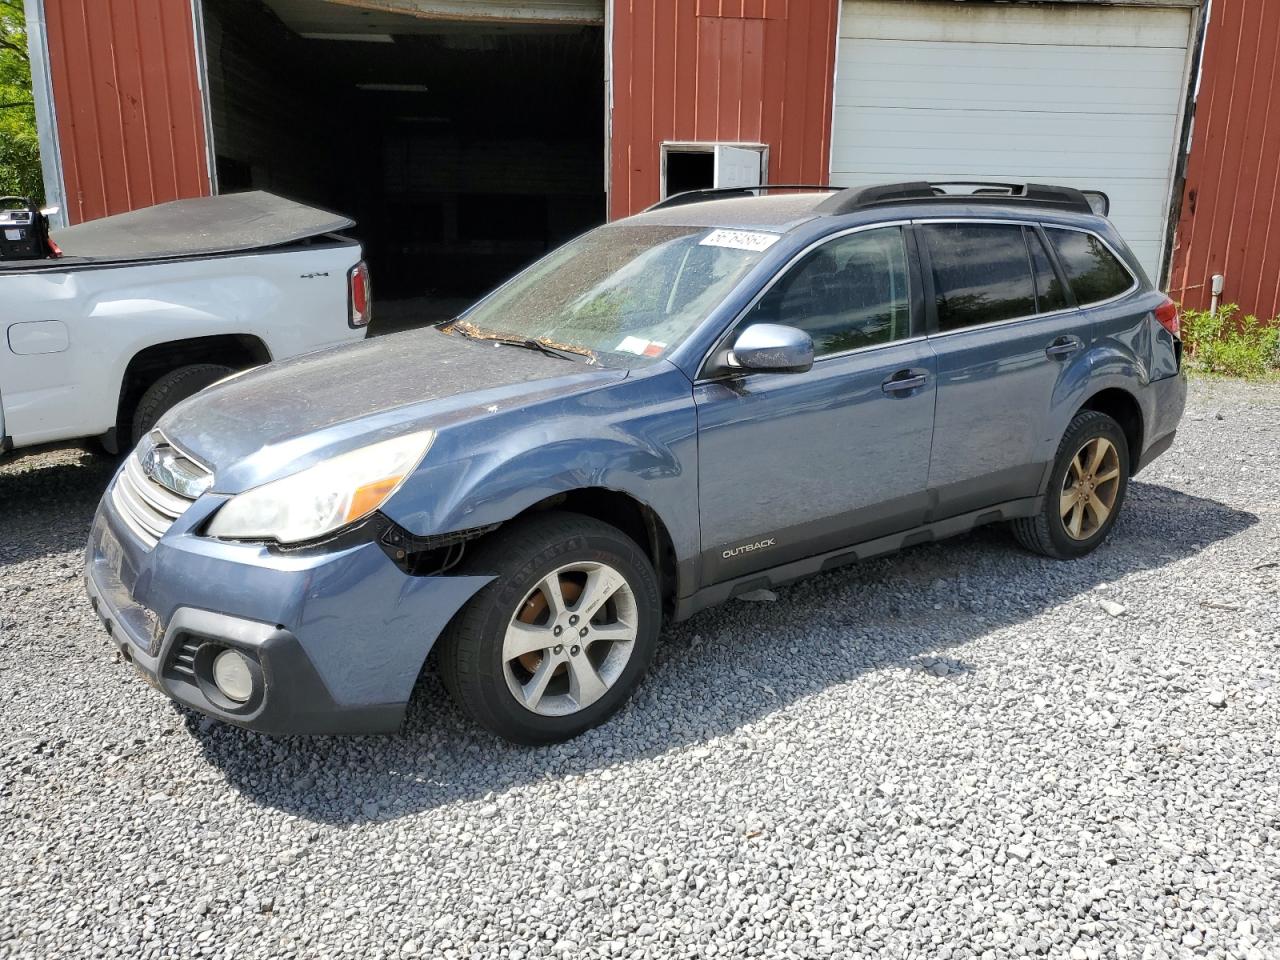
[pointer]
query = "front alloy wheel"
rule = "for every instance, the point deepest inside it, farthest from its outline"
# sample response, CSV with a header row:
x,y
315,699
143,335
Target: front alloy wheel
x,y
570,639
560,637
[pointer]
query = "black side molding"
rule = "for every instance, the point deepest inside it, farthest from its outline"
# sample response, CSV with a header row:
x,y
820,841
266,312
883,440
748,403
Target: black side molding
x,y
799,569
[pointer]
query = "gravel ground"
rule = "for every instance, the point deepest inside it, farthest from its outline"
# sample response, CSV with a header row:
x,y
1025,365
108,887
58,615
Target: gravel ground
x,y
960,751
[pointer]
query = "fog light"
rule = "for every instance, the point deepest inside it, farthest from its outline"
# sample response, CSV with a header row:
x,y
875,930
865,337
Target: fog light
x,y
232,675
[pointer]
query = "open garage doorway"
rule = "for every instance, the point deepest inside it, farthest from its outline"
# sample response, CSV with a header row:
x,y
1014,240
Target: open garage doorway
x,y
464,148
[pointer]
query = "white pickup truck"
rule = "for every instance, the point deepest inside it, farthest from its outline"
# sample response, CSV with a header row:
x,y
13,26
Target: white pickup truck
x,y
145,308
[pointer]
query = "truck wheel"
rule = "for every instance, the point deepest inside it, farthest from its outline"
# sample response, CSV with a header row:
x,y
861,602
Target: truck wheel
x,y
170,390
1086,490
554,645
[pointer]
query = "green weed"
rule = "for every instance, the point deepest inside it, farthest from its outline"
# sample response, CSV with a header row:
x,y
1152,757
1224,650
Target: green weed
x,y
1228,344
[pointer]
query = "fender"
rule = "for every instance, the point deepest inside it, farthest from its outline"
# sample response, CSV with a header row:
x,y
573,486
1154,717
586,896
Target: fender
x,y
1105,366
643,444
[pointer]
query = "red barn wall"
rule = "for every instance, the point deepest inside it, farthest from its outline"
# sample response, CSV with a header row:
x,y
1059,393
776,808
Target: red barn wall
x,y
130,114
1232,194
745,70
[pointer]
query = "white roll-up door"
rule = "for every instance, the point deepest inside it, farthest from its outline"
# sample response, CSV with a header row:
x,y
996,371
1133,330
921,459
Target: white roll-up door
x,y
1076,94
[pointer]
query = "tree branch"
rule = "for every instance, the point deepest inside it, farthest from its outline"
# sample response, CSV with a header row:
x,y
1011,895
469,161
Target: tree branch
x,y
17,103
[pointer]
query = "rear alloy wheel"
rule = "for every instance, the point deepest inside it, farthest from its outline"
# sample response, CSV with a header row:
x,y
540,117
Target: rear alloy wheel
x,y
1090,488
1086,490
555,644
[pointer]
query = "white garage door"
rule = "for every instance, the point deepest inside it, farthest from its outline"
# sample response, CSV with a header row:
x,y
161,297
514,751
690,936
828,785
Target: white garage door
x,y
1078,95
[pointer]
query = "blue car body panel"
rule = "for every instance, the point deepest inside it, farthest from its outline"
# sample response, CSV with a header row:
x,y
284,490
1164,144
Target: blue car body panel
x,y
754,480
779,447
643,442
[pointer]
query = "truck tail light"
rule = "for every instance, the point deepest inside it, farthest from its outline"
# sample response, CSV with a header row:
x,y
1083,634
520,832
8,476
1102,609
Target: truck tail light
x,y
1169,318
360,311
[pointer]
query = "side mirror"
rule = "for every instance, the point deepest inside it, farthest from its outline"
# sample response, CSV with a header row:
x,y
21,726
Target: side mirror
x,y
772,348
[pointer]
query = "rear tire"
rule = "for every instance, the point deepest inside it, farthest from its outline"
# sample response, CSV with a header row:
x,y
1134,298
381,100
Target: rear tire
x,y
1084,495
538,668
170,390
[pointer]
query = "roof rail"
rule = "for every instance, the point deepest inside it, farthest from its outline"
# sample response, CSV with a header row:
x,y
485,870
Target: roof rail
x,y
1037,194
722,193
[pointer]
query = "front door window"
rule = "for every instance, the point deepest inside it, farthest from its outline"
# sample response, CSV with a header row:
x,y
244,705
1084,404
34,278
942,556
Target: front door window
x,y
850,293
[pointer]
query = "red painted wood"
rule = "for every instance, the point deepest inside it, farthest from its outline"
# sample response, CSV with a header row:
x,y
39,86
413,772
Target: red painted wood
x,y
751,101
706,101
732,70
1242,242
1232,191
130,114
639,85
1243,18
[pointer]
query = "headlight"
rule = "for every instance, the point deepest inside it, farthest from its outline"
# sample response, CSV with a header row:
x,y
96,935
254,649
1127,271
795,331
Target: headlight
x,y
325,497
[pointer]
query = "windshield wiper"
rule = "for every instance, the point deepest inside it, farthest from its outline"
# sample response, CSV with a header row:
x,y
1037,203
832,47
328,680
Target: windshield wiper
x,y
525,343
528,343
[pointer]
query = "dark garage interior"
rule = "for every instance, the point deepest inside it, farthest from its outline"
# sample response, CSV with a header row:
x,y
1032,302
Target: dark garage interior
x,y
464,150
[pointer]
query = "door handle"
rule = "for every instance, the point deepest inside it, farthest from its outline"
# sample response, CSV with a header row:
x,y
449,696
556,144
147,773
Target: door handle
x,y
904,380
1063,347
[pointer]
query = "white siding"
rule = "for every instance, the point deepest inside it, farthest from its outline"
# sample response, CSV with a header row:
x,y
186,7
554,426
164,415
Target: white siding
x,y
1082,96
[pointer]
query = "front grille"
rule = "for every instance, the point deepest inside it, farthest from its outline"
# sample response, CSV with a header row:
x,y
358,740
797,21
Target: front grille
x,y
147,506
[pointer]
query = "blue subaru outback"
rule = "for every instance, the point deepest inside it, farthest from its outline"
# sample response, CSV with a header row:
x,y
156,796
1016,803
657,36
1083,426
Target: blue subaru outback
x,y
726,392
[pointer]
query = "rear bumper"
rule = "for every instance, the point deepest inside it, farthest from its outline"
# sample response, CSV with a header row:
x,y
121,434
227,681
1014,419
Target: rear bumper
x,y
338,638
1166,401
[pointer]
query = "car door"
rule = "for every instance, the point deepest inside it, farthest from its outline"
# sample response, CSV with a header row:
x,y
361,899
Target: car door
x,y
1005,330
796,464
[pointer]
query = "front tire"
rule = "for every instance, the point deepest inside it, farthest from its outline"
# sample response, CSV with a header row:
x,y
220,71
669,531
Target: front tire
x,y
557,642
1086,490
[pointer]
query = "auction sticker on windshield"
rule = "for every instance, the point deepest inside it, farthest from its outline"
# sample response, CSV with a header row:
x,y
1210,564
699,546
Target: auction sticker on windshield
x,y
641,348
739,240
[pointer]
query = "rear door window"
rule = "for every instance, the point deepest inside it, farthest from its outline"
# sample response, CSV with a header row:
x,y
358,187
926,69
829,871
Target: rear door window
x,y
1050,295
852,292
981,273
1094,272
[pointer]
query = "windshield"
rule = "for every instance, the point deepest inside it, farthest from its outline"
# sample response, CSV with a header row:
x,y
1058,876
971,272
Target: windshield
x,y
621,294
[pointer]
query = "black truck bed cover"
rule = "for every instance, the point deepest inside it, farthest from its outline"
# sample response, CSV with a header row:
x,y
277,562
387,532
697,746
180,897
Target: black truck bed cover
x,y
207,226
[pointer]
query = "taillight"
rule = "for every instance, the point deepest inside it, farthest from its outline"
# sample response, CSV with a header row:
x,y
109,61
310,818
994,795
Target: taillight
x,y
1169,318
360,310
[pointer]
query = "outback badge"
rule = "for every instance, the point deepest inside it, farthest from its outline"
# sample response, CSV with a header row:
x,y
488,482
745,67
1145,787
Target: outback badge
x,y
747,548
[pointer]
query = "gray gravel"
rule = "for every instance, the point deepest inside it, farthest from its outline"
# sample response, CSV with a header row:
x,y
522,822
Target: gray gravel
x,y
960,751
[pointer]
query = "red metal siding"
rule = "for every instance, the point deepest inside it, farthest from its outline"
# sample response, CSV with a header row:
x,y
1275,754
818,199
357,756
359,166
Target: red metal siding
x,y
130,114
756,71
1229,202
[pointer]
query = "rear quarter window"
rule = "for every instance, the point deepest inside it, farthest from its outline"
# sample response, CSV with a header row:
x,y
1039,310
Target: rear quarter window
x,y
1094,272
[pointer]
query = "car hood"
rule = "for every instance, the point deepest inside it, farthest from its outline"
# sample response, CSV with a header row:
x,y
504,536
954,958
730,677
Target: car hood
x,y
283,417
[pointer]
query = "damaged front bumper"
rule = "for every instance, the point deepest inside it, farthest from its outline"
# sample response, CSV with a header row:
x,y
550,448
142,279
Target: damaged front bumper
x,y
336,639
